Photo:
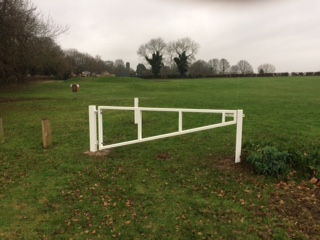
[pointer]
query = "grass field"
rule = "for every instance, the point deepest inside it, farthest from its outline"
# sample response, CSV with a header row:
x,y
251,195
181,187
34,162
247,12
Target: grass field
x,y
184,187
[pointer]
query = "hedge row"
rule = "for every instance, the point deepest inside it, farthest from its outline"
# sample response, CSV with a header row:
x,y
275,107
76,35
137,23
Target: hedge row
x,y
285,74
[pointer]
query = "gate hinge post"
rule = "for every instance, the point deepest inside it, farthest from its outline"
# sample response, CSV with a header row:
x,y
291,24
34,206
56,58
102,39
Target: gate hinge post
x,y
93,128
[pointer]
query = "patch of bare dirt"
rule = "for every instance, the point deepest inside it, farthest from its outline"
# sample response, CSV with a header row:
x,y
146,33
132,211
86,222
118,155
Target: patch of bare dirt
x,y
230,165
163,156
101,153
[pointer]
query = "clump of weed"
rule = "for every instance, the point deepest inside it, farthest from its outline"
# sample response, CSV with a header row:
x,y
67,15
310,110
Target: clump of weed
x,y
268,160
306,161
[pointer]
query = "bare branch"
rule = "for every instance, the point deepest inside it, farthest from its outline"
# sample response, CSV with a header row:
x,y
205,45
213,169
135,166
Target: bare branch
x,y
266,68
245,67
153,46
186,45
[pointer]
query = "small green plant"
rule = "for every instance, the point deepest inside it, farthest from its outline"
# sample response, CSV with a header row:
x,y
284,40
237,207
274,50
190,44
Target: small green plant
x,y
306,161
314,163
269,161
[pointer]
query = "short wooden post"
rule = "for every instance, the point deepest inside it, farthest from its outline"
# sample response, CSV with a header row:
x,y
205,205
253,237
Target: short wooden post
x,y
1,132
46,133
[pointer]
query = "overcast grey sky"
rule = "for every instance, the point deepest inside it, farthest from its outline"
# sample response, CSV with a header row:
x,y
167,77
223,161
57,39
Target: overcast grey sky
x,y
285,33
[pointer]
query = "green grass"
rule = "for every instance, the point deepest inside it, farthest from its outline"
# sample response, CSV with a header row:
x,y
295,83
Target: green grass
x,y
172,188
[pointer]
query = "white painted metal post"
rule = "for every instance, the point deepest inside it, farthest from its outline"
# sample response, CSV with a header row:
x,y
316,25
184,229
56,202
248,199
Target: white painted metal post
x,y
93,128
136,112
139,121
100,128
180,121
239,135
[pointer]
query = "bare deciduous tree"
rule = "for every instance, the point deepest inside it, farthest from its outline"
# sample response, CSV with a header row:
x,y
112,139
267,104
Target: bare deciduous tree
x,y
214,66
153,52
199,68
109,66
224,66
244,67
77,60
234,69
119,68
154,45
98,65
80,62
21,31
49,59
141,69
183,52
186,45
266,68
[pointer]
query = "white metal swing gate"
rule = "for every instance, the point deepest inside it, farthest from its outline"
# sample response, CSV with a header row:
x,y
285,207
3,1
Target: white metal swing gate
x,y
96,141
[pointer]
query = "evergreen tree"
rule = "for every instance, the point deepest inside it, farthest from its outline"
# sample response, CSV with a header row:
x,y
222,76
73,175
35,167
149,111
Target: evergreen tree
x,y
182,63
155,62
155,48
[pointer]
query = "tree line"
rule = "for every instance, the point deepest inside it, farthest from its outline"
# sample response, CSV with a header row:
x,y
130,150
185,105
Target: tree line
x,y
178,57
26,38
28,47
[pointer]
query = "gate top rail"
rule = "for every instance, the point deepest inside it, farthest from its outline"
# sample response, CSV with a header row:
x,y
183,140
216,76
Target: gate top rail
x,y
167,109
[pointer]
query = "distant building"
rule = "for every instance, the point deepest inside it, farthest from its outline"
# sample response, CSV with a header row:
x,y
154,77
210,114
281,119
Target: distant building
x,y
85,74
107,74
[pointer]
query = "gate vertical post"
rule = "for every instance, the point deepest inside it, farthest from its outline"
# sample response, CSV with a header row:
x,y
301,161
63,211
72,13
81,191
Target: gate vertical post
x,y
139,121
100,128
180,121
239,135
136,111
93,128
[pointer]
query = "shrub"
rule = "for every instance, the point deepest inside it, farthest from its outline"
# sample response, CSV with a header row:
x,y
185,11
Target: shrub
x,y
306,162
268,160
